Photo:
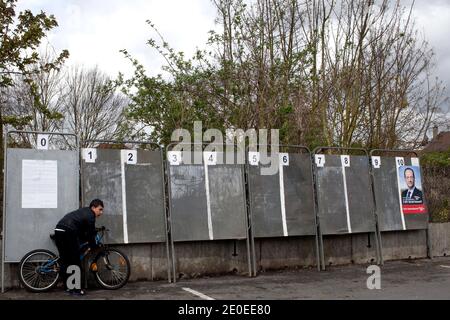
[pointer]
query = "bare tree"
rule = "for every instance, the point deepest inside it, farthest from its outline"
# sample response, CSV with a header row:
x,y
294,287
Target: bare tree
x,y
36,100
93,108
334,72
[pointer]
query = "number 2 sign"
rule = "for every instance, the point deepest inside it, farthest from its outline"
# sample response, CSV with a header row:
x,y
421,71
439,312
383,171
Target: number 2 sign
x,y
129,156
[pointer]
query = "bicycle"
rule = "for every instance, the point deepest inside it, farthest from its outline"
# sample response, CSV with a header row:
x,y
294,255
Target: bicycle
x,y
39,269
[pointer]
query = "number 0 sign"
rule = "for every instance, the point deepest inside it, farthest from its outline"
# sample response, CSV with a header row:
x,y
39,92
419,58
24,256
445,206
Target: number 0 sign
x,y
42,141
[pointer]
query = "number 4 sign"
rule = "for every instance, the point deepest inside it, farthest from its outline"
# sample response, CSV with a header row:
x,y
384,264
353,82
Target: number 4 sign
x,y
210,158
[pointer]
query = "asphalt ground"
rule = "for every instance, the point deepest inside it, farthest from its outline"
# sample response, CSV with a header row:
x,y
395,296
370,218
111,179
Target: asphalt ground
x,y
408,279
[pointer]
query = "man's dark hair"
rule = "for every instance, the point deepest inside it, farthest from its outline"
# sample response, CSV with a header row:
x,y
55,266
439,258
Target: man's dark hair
x,y
409,169
95,203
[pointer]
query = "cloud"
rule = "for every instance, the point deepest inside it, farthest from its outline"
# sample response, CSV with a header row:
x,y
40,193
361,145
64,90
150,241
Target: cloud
x,y
432,19
95,31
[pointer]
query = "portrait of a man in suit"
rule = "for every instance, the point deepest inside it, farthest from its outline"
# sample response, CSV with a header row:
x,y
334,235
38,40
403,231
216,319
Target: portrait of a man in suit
x,y
412,194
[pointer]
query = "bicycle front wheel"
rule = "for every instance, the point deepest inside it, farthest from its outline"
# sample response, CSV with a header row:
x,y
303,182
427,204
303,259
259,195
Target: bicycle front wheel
x,y
112,269
39,270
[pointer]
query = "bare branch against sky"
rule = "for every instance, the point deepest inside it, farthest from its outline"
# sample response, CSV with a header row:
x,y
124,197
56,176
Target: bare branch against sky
x,y
95,31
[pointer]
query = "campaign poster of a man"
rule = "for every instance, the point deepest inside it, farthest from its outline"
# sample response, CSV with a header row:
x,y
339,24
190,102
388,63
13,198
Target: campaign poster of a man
x,y
411,193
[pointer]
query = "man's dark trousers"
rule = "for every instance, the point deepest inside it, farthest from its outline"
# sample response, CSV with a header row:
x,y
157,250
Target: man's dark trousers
x,y
69,251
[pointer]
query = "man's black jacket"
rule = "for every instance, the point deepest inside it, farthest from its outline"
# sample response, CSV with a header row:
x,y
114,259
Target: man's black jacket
x,y
82,223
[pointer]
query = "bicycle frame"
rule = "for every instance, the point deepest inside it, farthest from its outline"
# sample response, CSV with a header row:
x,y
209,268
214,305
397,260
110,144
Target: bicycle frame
x,y
48,267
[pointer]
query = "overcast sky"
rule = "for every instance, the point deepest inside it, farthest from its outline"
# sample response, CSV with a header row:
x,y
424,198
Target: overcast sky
x,y
95,30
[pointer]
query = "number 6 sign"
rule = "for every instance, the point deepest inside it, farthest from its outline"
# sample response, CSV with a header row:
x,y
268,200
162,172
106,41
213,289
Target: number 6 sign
x,y
284,159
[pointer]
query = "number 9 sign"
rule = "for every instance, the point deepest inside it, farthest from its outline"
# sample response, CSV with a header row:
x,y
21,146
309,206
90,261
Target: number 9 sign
x,y
376,162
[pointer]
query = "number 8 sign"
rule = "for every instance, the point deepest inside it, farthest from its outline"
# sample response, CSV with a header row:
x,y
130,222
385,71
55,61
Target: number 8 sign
x,y
345,161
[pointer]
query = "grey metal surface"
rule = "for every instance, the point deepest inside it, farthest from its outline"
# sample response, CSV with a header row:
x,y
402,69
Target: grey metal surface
x,y
143,193
28,229
386,195
227,196
298,194
145,200
331,196
102,180
265,204
360,198
188,202
387,199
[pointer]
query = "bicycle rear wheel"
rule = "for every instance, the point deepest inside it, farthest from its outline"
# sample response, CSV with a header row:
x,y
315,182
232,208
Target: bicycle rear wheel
x,y
39,270
112,269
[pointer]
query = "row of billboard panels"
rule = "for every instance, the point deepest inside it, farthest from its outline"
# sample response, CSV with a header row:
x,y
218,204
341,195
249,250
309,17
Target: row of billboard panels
x,y
208,201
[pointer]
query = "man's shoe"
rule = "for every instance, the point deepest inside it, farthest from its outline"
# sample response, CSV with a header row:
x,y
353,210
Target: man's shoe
x,y
77,292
